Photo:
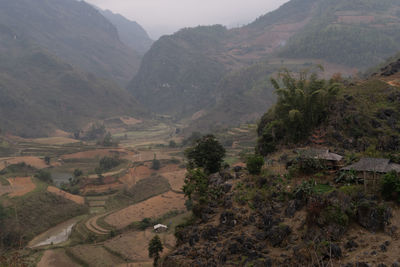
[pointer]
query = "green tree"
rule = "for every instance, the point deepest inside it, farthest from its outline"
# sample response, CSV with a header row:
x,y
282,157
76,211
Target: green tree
x,y
155,247
44,176
47,160
304,102
196,184
207,153
254,164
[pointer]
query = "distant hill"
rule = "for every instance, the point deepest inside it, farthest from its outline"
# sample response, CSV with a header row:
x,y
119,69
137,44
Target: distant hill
x,y
41,93
75,32
130,32
183,74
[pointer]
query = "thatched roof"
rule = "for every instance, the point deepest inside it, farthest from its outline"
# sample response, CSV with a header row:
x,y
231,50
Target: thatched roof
x,y
323,154
373,165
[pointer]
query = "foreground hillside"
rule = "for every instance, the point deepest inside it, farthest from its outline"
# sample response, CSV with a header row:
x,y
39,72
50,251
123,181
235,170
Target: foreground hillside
x,y
41,93
303,208
185,72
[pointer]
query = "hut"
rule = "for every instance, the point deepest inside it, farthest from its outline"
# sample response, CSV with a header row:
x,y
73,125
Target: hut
x,y
329,159
372,170
159,228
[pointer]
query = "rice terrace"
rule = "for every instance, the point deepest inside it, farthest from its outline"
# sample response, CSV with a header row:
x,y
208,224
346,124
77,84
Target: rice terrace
x,y
103,200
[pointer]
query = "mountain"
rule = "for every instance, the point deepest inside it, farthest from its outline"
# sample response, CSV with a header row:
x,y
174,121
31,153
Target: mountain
x,y
75,32
130,32
182,73
41,93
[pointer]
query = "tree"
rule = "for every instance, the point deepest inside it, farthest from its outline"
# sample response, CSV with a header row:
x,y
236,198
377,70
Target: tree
x,y
304,102
254,164
156,164
44,176
155,247
47,160
196,184
207,153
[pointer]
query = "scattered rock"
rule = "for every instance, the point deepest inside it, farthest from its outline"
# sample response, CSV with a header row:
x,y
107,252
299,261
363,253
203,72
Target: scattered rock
x,y
278,234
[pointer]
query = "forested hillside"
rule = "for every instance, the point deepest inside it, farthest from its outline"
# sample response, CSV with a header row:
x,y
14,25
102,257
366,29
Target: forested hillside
x,y
185,72
40,93
75,32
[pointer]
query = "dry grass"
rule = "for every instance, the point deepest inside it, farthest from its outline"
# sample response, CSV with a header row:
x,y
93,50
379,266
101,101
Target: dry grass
x,y
133,246
56,258
153,207
33,161
95,255
77,199
21,186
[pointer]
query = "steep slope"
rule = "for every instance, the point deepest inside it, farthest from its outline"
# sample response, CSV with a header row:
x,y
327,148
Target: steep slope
x,y
75,32
188,68
130,32
367,31
40,93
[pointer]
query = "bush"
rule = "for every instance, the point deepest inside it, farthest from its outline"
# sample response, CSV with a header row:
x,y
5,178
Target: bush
x,y
108,163
390,188
44,176
254,164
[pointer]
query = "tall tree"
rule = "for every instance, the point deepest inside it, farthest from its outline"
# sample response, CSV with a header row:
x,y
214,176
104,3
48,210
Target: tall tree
x,y
155,247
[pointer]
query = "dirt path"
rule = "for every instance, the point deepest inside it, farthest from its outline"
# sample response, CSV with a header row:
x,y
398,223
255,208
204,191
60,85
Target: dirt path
x,y
75,198
151,208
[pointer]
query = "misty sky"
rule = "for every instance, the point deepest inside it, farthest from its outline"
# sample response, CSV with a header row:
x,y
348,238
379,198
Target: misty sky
x,y
167,16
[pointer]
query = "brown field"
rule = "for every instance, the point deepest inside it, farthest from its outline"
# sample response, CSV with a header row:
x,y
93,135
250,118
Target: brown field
x,y
101,188
176,179
123,153
21,186
132,246
77,199
135,174
129,120
55,141
153,207
95,255
56,258
33,161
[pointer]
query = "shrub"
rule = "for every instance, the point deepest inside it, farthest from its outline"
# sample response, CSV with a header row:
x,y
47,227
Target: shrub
x,y
44,176
390,187
108,163
254,164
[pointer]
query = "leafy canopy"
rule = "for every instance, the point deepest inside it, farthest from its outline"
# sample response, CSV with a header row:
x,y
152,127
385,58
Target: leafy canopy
x,y
155,247
304,102
207,153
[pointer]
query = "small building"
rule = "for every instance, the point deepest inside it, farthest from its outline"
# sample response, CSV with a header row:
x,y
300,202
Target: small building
x,y
331,160
159,228
372,170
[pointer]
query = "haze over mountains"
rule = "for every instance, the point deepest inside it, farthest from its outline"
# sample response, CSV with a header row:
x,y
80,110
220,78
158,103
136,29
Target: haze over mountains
x,y
182,73
209,76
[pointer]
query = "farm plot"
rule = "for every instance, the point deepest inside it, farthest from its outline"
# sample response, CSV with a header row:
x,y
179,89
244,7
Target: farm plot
x,y
20,186
33,161
132,246
176,179
56,258
153,207
135,174
55,141
75,198
97,153
95,255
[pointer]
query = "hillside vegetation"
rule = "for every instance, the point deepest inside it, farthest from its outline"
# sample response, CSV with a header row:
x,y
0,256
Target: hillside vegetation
x,y
41,93
75,32
189,70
